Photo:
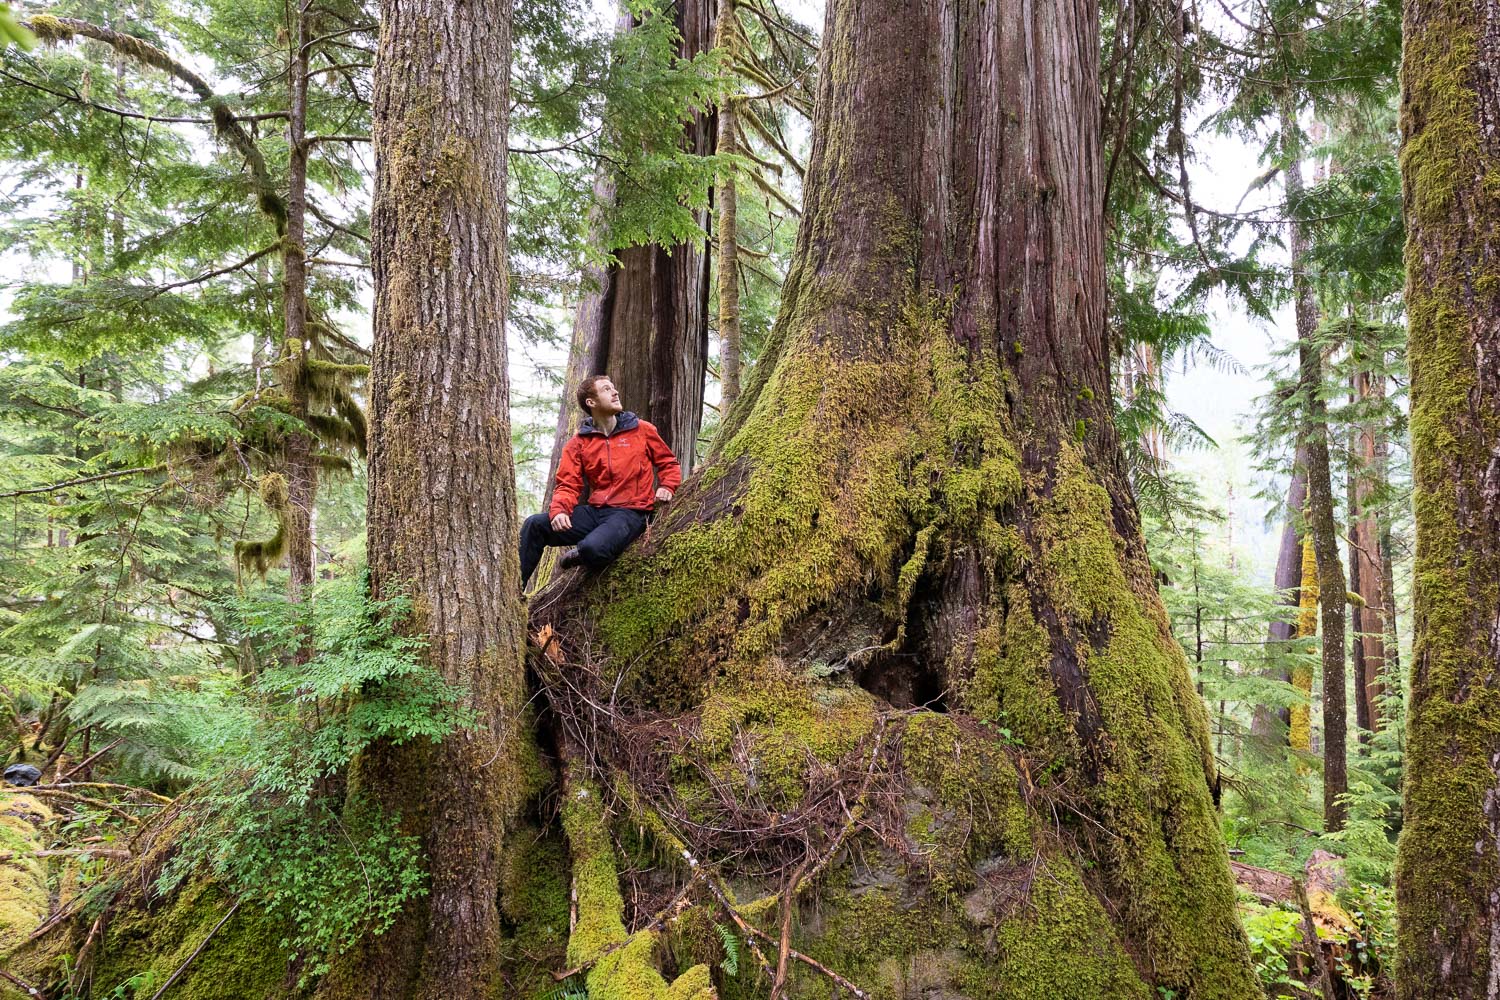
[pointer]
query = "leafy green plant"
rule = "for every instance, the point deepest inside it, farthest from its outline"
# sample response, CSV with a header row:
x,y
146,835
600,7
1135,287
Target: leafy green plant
x,y
273,820
1274,935
731,962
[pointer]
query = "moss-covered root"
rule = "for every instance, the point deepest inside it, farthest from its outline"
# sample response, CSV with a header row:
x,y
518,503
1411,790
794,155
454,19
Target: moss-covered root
x,y
623,963
24,899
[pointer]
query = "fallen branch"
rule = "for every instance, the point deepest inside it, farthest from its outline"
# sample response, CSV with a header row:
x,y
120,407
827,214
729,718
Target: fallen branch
x,y
1310,939
811,963
74,797
62,778
118,853
739,921
20,984
63,786
201,945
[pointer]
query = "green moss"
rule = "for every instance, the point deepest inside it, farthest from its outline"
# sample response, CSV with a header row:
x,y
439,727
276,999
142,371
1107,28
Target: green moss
x,y
1009,684
243,959
534,911
1439,157
977,808
1163,854
782,726
1057,945
24,896
49,28
623,963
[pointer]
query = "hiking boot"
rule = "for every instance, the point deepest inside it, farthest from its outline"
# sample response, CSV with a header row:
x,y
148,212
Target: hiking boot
x,y
571,558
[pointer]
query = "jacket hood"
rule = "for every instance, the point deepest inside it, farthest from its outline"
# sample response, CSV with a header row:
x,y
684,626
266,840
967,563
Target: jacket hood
x,y
624,422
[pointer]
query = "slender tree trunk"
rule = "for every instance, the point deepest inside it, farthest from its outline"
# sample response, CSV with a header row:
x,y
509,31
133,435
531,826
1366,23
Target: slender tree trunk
x,y
1366,573
1299,733
442,522
1388,589
728,226
1448,860
1354,525
921,487
644,319
1287,580
301,472
1320,521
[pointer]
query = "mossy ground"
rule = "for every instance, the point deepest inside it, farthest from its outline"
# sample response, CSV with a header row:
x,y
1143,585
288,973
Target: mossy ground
x,y
24,895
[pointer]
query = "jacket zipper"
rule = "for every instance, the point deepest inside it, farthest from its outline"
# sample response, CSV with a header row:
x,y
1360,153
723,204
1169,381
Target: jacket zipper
x,y
609,460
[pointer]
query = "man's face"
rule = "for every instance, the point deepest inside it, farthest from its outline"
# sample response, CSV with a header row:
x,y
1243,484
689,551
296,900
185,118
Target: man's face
x,y
606,399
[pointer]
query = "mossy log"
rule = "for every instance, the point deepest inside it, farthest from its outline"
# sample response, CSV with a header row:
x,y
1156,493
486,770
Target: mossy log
x,y
916,532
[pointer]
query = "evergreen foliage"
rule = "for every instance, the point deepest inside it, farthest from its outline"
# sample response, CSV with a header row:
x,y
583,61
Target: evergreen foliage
x,y
151,403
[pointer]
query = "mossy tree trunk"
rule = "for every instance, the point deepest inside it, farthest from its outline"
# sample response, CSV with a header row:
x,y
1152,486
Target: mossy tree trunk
x,y
643,320
1448,860
920,501
442,522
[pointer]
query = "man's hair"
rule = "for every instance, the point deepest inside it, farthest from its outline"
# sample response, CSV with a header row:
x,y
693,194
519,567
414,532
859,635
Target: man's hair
x,y
586,391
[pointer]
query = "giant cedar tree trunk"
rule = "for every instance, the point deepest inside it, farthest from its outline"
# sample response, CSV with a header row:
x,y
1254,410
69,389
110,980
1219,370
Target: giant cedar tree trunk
x,y
920,500
644,319
442,484
1448,861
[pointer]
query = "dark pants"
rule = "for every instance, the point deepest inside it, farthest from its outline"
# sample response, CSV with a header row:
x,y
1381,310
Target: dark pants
x,y
601,534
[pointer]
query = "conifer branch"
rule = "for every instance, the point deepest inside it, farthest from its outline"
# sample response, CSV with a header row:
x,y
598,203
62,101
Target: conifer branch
x,y
61,29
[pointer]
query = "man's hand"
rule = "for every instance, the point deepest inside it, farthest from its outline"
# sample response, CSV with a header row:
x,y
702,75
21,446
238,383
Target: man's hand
x,y
663,495
562,522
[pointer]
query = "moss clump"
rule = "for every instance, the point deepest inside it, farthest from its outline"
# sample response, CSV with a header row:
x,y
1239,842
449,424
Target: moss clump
x,y
763,736
534,911
24,896
623,964
244,957
973,799
1058,944
1009,685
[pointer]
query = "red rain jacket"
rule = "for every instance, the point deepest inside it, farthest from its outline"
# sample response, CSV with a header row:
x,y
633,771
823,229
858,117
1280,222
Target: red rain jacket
x,y
617,467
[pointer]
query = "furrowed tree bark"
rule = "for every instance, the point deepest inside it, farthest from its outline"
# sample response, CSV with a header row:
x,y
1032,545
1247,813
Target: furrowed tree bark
x,y
920,500
442,522
1321,526
643,320
1288,578
1448,859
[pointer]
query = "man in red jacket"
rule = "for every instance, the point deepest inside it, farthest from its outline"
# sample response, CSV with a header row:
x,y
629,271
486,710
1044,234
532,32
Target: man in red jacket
x,y
627,467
